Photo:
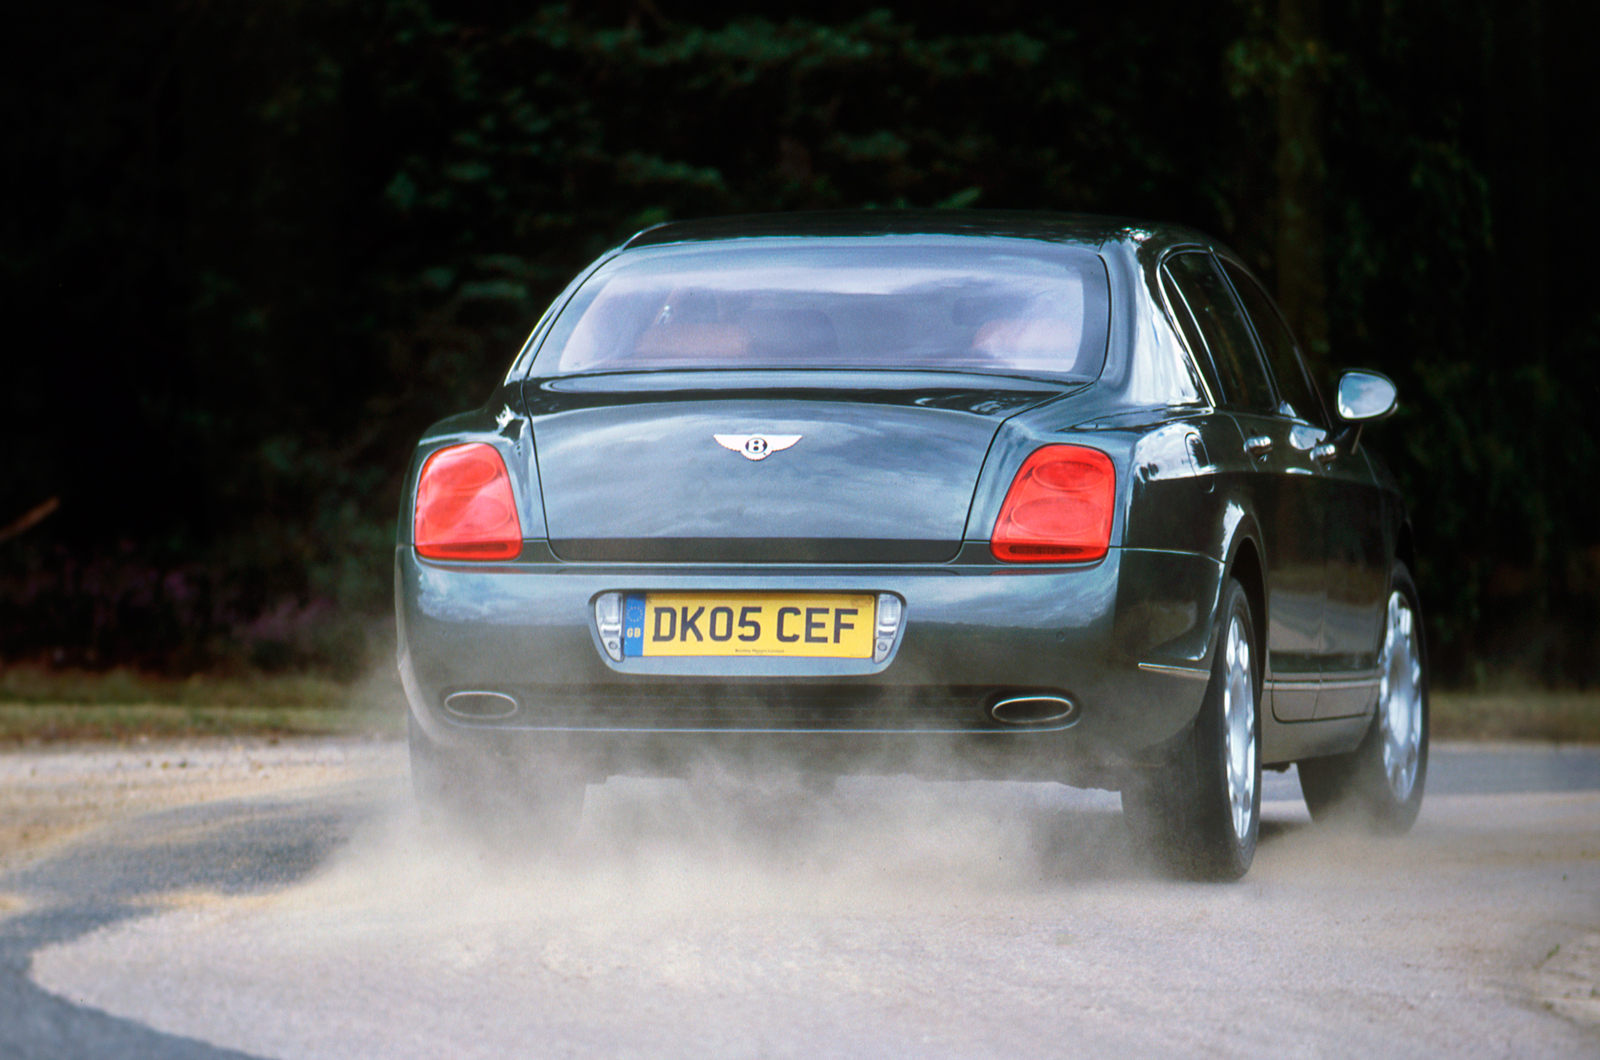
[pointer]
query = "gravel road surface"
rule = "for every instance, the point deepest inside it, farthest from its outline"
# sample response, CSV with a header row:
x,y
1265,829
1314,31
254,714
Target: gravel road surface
x,y
282,900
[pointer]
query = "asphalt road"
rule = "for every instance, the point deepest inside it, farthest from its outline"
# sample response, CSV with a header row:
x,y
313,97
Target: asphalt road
x,y
894,918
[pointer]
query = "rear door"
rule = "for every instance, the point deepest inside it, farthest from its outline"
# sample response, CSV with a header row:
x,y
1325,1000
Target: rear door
x,y
1280,476
1357,568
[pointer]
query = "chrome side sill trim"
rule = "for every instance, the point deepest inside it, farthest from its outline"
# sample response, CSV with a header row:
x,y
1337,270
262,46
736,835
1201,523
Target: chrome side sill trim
x,y
1191,672
1335,683
1363,682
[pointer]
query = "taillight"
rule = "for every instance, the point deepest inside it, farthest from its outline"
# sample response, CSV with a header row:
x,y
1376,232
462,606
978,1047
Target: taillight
x,y
1058,509
465,509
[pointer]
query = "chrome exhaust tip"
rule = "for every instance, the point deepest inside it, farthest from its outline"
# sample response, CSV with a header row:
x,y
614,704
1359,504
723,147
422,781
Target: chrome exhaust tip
x,y
480,706
1034,710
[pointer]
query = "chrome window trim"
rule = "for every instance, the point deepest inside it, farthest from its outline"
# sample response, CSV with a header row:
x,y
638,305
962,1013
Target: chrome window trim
x,y
1177,329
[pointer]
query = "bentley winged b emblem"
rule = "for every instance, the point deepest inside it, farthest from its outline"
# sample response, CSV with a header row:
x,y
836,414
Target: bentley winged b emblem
x,y
756,446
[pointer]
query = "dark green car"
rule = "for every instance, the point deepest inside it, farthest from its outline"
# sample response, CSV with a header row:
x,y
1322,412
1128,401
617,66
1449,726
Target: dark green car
x,y
975,495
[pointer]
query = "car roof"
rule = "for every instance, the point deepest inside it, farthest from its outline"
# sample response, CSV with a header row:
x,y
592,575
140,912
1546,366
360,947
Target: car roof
x,y
1083,229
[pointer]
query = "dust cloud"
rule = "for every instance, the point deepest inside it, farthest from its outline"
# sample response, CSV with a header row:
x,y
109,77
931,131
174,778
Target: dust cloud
x,y
748,914
733,840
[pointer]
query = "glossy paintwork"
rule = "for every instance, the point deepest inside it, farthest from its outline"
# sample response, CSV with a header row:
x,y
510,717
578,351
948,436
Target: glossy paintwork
x,y
1288,495
1360,552
897,471
902,458
969,634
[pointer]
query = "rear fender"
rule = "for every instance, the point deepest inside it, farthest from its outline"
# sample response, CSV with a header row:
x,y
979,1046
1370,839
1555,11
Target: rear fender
x,y
1245,561
502,424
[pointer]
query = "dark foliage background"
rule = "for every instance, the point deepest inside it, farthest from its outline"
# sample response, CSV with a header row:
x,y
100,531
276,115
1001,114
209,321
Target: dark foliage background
x,y
252,248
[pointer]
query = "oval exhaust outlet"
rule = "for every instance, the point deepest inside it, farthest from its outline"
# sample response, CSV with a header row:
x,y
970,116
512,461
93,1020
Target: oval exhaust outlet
x,y
480,705
1034,710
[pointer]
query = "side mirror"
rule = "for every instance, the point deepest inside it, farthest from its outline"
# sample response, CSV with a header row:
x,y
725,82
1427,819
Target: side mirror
x,y
1365,395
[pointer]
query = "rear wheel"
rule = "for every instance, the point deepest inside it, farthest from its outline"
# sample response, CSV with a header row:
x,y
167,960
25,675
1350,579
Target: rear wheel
x,y
533,803
1201,811
1380,783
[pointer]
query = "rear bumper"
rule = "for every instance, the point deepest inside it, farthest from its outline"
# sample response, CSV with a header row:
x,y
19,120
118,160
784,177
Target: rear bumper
x,y
973,632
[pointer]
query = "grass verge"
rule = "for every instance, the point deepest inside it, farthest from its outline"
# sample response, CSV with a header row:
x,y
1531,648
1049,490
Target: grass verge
x,y
34,723
43,706
1562,717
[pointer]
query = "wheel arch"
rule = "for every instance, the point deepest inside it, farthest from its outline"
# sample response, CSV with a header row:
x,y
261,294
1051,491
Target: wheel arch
x,y
1405,546
1245,565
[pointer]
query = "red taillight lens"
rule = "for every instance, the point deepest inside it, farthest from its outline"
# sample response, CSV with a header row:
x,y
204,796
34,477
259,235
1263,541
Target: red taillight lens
x,y
1058,509
465,509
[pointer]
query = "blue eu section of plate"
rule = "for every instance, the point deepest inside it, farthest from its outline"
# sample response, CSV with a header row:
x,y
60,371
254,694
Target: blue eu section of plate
x,y
633,626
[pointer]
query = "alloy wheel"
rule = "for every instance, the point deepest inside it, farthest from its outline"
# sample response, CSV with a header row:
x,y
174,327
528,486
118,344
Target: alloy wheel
x,y
1400,697
1239,726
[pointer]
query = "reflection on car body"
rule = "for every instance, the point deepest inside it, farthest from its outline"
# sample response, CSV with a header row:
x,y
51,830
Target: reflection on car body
x,y
995,495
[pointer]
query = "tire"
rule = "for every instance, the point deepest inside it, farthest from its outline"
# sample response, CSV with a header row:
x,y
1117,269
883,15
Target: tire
x,y
1200,812
532,804
1380,783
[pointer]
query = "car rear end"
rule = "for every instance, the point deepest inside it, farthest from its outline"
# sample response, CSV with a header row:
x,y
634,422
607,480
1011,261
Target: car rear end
x,y
810,498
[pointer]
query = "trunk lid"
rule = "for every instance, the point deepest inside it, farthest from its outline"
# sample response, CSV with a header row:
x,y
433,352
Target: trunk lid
x,y
634,471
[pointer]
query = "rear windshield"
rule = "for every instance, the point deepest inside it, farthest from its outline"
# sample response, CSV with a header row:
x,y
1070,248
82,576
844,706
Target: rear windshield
x,y
1011,306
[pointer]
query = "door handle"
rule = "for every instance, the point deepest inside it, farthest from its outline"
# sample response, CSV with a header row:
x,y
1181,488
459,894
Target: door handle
x,y
1258,446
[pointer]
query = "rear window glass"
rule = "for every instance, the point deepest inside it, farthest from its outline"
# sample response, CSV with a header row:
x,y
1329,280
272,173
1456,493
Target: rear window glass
x,y
1009,306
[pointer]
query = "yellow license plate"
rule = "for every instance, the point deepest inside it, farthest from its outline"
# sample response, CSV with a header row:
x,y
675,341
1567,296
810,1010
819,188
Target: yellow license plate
x,y
800,625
